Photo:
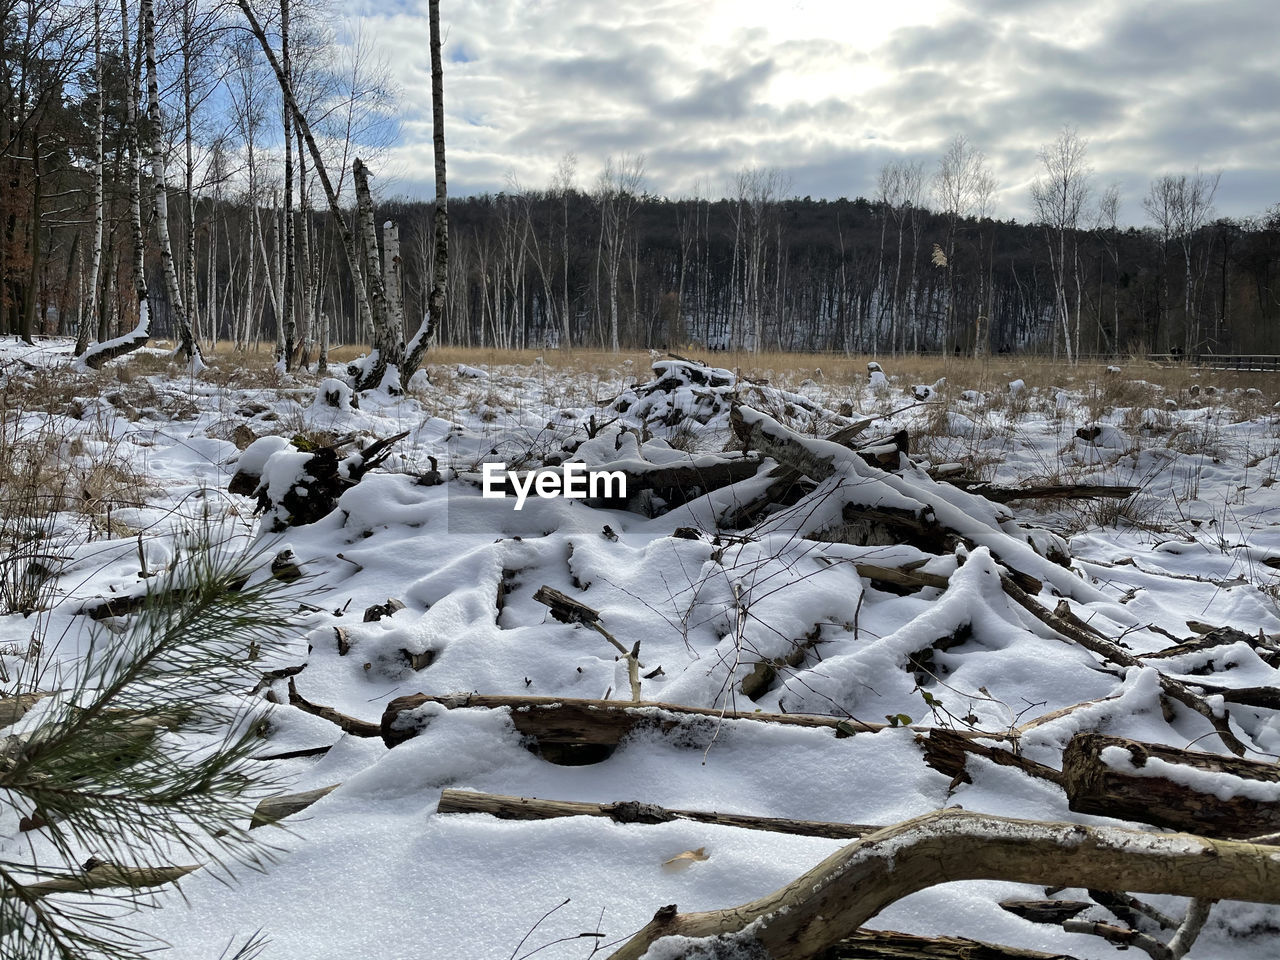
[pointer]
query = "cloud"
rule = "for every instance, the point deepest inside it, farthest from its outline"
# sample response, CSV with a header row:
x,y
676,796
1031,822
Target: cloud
x,y
829,90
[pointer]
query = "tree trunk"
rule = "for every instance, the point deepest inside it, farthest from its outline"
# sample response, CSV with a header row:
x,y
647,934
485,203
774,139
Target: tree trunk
x,y
421,340
88,320
288,331
187,345
386,350
306,271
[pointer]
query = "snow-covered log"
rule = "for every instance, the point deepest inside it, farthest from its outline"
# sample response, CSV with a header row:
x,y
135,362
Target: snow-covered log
x,y
848,888
601,722
629,811
1180,789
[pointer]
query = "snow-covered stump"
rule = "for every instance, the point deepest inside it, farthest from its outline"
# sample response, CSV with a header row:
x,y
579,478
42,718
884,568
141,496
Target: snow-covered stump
x,y
295,486
1181,789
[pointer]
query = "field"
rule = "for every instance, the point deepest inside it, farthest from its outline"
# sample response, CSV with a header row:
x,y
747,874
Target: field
x,y
412,582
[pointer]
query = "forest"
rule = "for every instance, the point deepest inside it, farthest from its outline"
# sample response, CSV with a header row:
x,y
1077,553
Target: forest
x,y
146,156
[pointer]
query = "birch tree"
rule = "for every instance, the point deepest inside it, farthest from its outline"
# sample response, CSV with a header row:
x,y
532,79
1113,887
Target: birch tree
x,y
89,310
957,186
1059,198
1180,205
106,350
617,192
417,346
187,345
562,187
376,367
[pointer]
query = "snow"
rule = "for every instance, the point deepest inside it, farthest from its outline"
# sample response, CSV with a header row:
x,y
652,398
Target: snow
x,y
1216,783
372,869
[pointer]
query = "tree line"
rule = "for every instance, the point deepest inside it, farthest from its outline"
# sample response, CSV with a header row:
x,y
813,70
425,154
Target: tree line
x,y
180,170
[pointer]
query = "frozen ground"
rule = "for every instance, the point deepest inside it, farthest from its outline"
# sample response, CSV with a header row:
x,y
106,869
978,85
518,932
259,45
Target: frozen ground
x,y
371,870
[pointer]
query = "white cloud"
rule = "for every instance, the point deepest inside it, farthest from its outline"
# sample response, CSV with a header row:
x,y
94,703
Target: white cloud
x,y
830,89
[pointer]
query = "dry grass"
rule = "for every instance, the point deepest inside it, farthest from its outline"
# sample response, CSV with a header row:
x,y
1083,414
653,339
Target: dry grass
x,y
992,372
59,475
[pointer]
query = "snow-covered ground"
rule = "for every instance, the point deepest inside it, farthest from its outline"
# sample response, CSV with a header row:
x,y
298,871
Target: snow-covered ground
x,y
371,870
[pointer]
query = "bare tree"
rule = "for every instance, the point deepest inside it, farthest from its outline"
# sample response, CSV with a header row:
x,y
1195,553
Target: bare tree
x,y
757,192
106,350
1180,205
187,345
89,309
417,346
617,192
1059,199
899,186
957,186
376,367
562,185
1108,224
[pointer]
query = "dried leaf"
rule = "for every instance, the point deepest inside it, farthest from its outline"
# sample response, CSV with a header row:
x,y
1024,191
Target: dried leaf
x,y
686,858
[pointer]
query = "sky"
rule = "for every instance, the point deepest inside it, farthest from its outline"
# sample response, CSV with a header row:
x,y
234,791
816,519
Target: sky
x,y
828,91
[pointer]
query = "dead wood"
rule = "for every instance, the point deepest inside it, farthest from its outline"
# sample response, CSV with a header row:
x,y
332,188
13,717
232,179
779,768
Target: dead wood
x,y
274,809
1095,786
832,900
1053,491
1111,651
676,483
101,876
874,526
891,945
606,722
946,752
764,672
631,811
1213,637
1045,911
568,610
905,578
351,725
787,483
321,481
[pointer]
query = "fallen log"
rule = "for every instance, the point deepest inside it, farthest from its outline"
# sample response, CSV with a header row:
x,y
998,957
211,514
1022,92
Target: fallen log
x,y
1112,651
1052,491
891,945
101,876
786,482
1064,914
274,809
946,752
631,811
906,578
1169,787
606,722
865,526
833,899
349,724
676,483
